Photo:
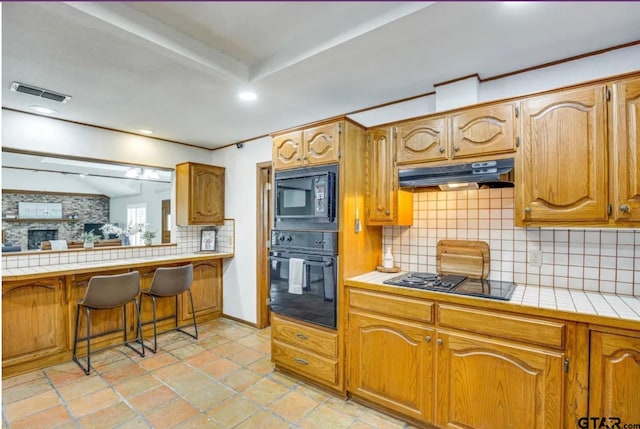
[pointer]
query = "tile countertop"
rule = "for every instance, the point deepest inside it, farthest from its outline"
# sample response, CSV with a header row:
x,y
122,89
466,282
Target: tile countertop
x,y
570,304
10,274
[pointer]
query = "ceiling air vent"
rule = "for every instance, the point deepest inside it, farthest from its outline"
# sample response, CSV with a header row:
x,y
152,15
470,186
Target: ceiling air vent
x,y
39,92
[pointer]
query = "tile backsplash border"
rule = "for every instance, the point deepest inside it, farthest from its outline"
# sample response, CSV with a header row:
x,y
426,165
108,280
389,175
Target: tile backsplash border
x,y
187,239
601,260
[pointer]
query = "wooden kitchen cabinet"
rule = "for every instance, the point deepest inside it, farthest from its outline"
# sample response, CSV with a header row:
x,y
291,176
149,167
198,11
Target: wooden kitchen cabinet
x,y
422,140
487,383
483,131
34,321
625,135
615,377
390,356
312,146
386,204
306,351
561,169
206,290
199,194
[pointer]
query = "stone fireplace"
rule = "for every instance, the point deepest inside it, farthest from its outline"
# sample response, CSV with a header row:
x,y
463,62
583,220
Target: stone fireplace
x,y
37,236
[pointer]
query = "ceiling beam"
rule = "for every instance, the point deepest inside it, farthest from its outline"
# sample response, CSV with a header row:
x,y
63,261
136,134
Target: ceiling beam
x,y
164,36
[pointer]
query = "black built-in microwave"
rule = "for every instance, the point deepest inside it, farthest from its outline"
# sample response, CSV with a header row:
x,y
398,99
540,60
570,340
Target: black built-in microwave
x,y
305,198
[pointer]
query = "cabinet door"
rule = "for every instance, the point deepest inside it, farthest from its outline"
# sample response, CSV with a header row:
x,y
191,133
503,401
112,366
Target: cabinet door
x,y
206,290
486,130
207,195
615,377
626,149
287,150
322,144
562,167
390,364
381,178
483,383
33,319
424,140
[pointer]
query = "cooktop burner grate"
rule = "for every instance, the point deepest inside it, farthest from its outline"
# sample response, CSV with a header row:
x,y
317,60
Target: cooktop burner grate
x,y
427,281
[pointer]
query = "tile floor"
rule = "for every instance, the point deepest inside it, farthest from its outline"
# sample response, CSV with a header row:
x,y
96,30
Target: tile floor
x,y
225,379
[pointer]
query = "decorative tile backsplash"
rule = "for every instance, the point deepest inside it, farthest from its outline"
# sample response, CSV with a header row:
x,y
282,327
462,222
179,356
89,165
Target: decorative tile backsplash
x,y
603,260
188,241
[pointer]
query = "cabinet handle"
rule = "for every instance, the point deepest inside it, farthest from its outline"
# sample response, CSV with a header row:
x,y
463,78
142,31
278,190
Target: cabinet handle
x,y
302,336
439,341
428,338
387,212
527,210
302,361
625,208
441,149
456,148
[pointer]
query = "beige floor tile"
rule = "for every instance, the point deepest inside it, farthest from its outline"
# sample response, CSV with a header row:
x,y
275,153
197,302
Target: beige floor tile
x,y
45,419
229,349
347,407
153,398
188,351
171,371
137,385
63,374
221,368
204,358
209,396
123,373
201,421
324,417
86,386
31,405
241,379
313,392
25,390
108,417
23,378
154,361
294,406
263,366
136,423
262,420
88,404
172,414
185,383
263,348
379,420
233,411
285,380
265,391
252,340
246,357
213,342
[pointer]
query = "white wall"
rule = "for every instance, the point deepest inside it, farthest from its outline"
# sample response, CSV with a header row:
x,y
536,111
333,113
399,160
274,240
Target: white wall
x,y
240,284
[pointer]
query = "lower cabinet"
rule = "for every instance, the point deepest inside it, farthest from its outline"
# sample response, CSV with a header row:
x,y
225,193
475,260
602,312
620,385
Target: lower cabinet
x,y
391,363
614,379
307,351
34,321
206,290
485,383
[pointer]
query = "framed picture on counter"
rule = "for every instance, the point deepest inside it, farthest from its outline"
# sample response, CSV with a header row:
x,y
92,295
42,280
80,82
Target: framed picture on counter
x,y
208,240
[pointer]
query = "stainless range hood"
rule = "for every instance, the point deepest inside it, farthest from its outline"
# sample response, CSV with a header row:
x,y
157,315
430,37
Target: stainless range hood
x,y
485,172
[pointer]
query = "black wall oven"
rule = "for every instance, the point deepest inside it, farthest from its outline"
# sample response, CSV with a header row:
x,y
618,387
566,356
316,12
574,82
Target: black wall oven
x,y
305,198
303,275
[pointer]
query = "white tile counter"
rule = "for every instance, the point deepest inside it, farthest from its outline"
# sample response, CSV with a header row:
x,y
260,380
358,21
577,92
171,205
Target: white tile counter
x,y
551,302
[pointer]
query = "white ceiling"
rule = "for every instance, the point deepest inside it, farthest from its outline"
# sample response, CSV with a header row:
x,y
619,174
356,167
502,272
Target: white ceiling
x,y
176,67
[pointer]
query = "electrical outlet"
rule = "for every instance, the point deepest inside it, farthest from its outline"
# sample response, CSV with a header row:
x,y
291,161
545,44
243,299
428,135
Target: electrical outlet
x,y
535,258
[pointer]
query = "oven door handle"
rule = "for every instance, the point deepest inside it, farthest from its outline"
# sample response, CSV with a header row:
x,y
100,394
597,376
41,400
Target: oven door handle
x,y
306,262
278,258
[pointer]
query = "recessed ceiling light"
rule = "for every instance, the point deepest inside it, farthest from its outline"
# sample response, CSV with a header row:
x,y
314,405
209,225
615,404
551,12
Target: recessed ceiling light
x,y
143,131
247,96
42,109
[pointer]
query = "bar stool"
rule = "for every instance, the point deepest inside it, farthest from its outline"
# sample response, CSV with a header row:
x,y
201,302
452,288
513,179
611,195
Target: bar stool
x,y
168,282
108,292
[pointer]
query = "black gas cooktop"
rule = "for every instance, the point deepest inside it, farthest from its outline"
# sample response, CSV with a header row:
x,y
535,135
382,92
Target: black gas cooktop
x,y
455,284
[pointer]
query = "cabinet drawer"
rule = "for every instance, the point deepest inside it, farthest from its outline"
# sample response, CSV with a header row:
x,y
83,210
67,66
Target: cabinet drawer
x,y
314,366
392,305
316,340
534,331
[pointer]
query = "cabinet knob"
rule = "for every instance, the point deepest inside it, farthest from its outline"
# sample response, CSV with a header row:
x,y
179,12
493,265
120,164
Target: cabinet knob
x,y
439,341
387,212
441,149
625,208
302,336
428,338
456,148
302,361
527,210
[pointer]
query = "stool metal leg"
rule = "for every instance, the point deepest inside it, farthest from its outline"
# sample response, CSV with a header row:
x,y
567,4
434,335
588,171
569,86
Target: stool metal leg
x,y
86,370
193,314
138,338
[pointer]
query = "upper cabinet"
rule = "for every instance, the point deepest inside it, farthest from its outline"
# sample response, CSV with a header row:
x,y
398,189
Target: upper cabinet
x,y
562,167
470,133
199,194
625,130
488,130
423,140
312,146
576,167
386,204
